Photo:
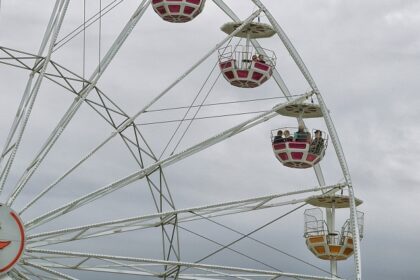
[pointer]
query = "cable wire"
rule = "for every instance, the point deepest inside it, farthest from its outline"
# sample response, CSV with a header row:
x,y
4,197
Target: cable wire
x,y
195,115
100,35
203,118
84,41
231,249
221,103
189,108
248,234
263,243
70,35
186,113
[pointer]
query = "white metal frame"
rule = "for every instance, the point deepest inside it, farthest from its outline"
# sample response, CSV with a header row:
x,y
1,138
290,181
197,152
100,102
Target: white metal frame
x,y
38,260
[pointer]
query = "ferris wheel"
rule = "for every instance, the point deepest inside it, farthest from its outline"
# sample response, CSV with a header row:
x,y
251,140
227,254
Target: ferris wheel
x,y
47,236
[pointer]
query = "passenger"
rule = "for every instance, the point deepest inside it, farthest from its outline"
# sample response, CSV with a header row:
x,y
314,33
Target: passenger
x,y
301,135
287,136
247,61
261,58
317,144
279,137
254,57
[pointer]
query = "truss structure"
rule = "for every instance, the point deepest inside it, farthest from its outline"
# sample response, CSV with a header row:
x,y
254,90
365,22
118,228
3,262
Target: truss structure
x,y
41,259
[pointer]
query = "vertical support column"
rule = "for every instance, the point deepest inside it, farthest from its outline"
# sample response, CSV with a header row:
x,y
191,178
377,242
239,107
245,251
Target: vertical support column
x,y
331,229
248,38
169,225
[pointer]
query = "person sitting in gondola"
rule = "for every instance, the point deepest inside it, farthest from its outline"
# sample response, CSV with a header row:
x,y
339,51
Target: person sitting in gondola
x,y
254,57
261,58
301,135
287,136
279,137
317,144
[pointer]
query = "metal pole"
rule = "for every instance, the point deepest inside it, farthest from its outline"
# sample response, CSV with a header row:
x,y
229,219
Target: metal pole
x,y
26,110
24,99
331,229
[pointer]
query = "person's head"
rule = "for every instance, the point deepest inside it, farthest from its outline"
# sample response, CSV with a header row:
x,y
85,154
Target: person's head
x,y
279,133
261,57
318,133
286,133
254,57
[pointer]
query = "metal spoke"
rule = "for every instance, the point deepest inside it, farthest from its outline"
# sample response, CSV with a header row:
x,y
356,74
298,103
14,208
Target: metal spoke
x,y
174,263
49,270
29,97
18,275
183,215
32,274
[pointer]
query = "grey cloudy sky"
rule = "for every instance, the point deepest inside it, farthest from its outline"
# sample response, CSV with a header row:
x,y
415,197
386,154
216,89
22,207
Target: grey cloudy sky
x,y
365,58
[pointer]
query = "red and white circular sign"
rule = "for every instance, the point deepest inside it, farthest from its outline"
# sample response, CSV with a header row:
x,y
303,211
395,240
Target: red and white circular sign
x,y
12,238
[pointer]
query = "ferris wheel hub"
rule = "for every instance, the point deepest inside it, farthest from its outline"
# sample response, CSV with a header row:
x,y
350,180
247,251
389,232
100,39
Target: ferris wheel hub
x,y
12,238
